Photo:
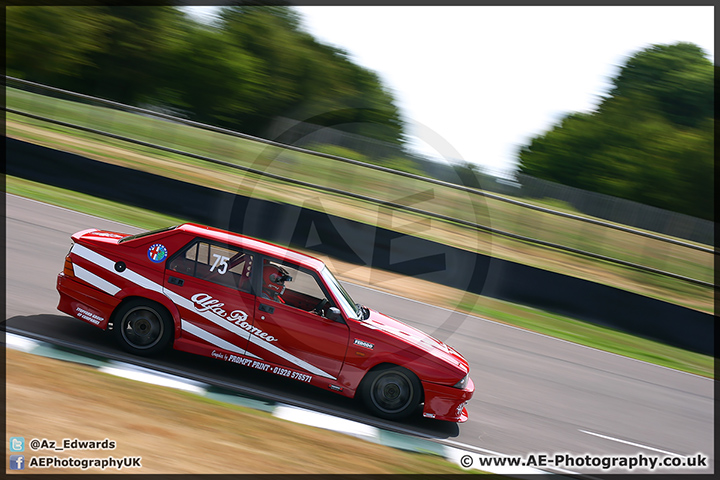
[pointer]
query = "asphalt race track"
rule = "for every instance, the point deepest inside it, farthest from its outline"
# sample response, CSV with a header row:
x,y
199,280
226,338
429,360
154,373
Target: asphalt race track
x,y
534,394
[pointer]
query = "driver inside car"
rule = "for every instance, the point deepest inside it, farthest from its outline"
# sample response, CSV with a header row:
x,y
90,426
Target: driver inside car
x,y
274,278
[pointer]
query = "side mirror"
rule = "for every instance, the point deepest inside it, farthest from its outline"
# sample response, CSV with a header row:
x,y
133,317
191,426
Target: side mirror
x,y
333,313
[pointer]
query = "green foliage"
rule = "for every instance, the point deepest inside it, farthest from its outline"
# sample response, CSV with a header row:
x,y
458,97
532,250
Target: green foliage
x,y
650,141
676,81
309,81
135,44
45,42
251,66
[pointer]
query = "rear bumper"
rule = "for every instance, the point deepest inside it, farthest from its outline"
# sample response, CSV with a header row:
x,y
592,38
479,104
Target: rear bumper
x,y
81,301
447,403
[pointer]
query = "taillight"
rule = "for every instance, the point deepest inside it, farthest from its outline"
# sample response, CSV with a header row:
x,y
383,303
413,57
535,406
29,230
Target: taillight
x,y
68,268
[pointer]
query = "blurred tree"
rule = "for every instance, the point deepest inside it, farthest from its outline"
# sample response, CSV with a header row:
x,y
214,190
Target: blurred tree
x,y
650,140
675,80
210,79
112,52
268,35
44,44
135,42
306,80
253,65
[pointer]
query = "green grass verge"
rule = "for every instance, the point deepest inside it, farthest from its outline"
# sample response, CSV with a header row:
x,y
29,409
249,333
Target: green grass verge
x,y
518,315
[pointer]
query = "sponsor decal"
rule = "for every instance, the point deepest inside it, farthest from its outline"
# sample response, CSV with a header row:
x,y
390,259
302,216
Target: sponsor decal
x,y
249,362
157,253
245,362
284,372
363,343
89,316
204,302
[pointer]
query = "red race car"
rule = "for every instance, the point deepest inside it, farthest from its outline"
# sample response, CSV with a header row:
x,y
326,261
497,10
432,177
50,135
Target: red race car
x,y
241,300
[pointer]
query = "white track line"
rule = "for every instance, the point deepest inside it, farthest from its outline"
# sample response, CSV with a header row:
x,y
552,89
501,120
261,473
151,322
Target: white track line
x,y
631,443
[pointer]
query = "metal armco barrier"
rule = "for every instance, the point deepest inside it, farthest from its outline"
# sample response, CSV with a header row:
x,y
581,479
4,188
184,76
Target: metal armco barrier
x,y
367,245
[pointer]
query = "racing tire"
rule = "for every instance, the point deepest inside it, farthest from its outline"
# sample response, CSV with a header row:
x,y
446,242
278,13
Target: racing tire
x,y
143,327
391,392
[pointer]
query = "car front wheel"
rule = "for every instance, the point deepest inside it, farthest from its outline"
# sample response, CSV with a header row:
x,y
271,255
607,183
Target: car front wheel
x,y
391,392
143,327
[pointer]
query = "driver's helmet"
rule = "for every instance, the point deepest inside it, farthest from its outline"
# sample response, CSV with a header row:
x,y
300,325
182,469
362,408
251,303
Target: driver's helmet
x,y
274,278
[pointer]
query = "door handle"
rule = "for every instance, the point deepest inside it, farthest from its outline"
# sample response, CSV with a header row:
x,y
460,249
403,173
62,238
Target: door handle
x,y
266,308
176,281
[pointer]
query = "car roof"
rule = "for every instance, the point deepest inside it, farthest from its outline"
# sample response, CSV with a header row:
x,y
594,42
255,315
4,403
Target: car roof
x,y
262,247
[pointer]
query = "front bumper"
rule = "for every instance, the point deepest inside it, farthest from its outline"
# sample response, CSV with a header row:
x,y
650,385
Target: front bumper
x,y
447,403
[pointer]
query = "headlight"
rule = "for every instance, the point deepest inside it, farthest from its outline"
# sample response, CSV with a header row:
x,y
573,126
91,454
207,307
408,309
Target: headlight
x,y
462,383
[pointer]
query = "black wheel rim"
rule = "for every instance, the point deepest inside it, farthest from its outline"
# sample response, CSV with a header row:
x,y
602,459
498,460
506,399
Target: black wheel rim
x,y
142,328
392,392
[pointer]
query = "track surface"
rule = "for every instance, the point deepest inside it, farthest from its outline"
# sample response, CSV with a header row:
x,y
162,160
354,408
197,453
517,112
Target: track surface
x,y
534,394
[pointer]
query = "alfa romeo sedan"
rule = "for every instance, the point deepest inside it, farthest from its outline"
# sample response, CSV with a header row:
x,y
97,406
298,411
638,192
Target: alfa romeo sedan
x,y
237,299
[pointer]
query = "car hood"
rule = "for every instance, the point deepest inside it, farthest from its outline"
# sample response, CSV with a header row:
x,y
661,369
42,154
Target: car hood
x,y
413,336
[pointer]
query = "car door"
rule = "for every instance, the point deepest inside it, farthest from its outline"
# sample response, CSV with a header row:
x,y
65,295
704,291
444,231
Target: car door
x,y
301,337
210,284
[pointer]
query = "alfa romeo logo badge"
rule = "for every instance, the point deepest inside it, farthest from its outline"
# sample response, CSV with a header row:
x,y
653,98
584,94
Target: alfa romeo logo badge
x,y
157,253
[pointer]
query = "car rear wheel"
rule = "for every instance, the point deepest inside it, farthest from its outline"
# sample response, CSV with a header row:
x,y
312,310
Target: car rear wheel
x,y
391,392
143,327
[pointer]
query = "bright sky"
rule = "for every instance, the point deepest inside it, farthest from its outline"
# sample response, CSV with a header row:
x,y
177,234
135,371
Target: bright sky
x,y
476,83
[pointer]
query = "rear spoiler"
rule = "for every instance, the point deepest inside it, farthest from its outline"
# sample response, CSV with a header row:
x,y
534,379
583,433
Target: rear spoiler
x,y
75,236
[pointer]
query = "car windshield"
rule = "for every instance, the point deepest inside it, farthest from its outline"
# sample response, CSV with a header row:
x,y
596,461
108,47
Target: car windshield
x,y
351,309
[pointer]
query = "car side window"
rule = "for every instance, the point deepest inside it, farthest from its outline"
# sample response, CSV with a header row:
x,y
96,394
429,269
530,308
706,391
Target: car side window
x,y
225,265
293,286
